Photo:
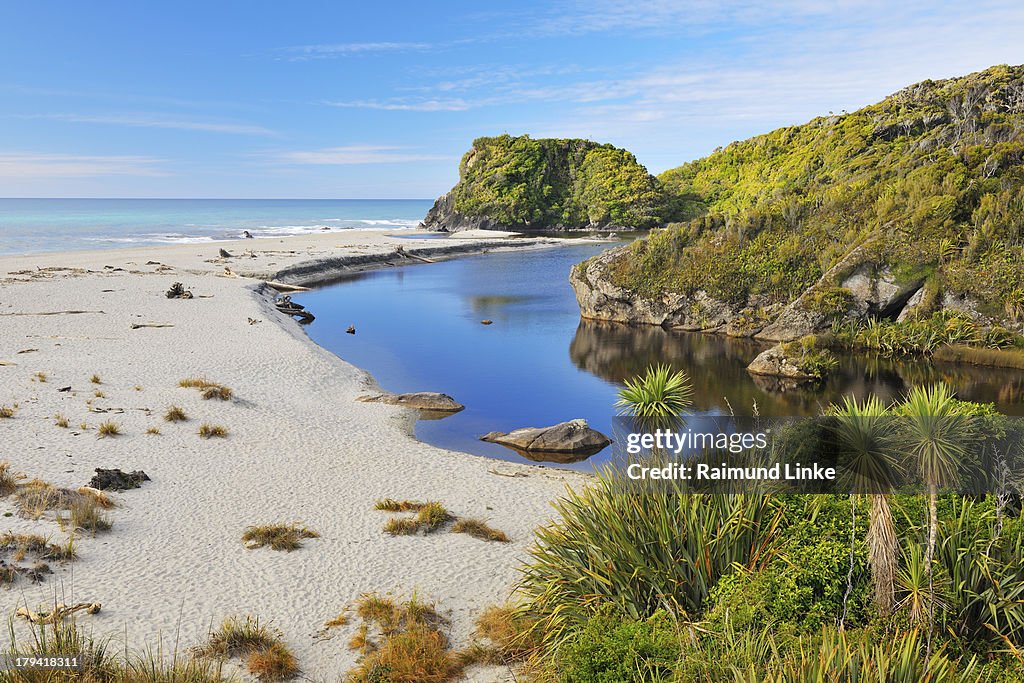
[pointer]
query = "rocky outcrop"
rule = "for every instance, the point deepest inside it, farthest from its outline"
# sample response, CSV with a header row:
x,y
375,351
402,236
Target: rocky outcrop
x,y
601,299
574,436
442,217
429,401
880,293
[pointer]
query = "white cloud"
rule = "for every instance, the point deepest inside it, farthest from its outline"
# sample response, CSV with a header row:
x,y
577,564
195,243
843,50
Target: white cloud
x,y
356,154
162,121
20,165
329,51
434,104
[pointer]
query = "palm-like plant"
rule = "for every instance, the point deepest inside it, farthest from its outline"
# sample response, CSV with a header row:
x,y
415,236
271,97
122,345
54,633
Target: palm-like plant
x,y
866,433
935,441
657,399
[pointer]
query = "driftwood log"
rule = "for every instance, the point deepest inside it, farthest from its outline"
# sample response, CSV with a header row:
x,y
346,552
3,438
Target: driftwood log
x,y
59,611
298,311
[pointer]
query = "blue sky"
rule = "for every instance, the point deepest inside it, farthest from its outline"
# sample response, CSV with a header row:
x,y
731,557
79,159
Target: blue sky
x,y
380,99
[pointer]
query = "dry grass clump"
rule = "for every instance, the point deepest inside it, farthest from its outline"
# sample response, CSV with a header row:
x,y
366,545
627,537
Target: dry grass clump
x,y
84,509
102,498
21,545
287,537
85,514
430,517
477,528
410,648
209,431
40,377
153,431
7,412
175,414
266,655
276,663
341,620
8,480
99,394
108,428
95,379
208,389
84,426
508,636
61,421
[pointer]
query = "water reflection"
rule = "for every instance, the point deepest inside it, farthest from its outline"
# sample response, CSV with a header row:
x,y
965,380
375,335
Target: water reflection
x,y
717,368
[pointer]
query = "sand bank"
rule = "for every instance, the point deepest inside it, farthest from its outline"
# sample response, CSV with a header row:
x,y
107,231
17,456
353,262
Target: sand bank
x,y
300,448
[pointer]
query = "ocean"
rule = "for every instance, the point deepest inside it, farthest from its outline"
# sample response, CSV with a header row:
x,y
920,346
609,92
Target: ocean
x,y
38,225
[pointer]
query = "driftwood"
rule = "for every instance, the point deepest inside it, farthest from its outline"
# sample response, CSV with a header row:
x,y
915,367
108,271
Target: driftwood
x,y
289,307
136,326
59,611
224,253
400,251
56,313
178,291
285,287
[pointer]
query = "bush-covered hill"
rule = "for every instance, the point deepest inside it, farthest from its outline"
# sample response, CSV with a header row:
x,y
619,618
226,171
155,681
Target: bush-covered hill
x,y
907,206
522,183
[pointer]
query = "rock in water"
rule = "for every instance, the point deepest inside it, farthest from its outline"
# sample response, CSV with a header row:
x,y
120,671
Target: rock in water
x,y
116,480
775,362
431,401
574,436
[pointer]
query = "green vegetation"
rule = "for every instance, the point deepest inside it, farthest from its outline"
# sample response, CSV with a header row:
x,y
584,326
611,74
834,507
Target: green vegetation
x,y
520,182
928,182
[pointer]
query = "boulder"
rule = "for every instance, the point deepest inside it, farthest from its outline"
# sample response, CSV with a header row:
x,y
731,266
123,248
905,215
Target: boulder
x,y
775,362
116,480
574,436
431,401
879,292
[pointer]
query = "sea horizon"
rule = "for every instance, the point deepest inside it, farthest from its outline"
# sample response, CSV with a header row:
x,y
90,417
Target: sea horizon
x,y
48,224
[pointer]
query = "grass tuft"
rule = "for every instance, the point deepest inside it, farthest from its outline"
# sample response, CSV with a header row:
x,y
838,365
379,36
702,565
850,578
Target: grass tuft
x,y
478,528
210,390
6,412
8,480
175,414
61,421
413,647
41,377
108,428
209,431
237,637
287,537
95,379
275,663
391,505
153,431
86,514
99,394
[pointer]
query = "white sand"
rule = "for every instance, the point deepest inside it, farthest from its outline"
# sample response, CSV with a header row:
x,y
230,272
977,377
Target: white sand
x,y
300,449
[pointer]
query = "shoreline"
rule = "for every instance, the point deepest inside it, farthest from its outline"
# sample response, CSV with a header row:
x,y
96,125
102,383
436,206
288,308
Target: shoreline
x,y
300,448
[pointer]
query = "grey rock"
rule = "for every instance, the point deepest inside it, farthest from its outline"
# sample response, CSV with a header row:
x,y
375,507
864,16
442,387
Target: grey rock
x,y
774,362
600,299
880,293
116,480
422,400
574,436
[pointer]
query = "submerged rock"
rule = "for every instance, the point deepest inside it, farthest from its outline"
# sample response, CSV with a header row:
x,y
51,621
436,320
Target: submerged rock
x,y
116,480
421,400
574,436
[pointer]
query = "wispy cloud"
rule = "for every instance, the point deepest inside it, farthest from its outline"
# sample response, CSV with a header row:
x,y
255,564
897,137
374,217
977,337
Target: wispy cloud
x,y
355,155
164,121
404,104
333,50
20,165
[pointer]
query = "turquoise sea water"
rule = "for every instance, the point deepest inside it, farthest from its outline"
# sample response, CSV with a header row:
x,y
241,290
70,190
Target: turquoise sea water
x,y
35,225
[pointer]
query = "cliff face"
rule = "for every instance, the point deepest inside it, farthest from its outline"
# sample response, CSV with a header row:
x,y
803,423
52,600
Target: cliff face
x,y
897,211
519,183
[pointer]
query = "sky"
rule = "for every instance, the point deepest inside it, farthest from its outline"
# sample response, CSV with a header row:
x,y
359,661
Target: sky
x,y
380,99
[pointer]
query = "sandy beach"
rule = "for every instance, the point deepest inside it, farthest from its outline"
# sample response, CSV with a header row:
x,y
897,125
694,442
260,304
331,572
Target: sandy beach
x,y
300,448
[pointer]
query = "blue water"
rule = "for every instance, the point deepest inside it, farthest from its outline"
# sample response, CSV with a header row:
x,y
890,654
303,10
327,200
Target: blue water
x,y
35,225
418,329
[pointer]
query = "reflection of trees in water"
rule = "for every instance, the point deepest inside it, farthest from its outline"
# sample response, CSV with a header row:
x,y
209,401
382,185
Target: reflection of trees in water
x,y
717,367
